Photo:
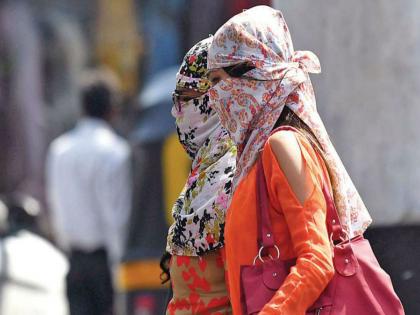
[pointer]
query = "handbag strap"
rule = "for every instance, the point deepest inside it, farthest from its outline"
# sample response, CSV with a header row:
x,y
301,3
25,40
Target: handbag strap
x,y
334,227
265,236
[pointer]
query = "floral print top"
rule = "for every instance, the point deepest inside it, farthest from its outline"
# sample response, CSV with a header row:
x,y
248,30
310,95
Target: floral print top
x,y
199,212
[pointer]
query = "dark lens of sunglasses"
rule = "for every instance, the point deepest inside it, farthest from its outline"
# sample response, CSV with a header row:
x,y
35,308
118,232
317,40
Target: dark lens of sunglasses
x,y
175,100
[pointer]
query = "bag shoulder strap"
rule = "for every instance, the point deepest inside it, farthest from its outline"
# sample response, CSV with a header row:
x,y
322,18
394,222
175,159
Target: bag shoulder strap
x,y
334,227
265,236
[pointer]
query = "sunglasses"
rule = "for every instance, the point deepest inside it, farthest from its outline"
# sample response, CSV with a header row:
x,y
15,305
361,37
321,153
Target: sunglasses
x,y
239,70
234,71
179,97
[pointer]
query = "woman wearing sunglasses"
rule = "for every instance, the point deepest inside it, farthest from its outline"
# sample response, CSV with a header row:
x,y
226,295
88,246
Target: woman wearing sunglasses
x,y
196,238
275,90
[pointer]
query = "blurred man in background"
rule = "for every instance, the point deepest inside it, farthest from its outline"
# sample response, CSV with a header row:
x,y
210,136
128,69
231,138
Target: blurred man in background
x,y
89,192
31,268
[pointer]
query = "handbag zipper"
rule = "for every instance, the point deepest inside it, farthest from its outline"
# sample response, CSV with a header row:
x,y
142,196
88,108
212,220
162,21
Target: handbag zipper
x,y
318,311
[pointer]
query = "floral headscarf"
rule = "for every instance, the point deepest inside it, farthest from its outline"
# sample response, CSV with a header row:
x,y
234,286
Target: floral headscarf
x,y
194,67
196,121
199,212
250,106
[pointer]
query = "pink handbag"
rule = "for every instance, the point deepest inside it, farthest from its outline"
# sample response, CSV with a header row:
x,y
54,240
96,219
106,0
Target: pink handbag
x,y
359,287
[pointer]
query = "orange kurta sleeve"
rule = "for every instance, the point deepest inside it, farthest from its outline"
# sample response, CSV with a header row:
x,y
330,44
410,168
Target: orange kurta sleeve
x,y
306,225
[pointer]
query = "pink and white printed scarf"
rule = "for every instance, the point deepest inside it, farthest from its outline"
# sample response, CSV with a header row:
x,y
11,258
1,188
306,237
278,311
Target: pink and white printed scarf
x,y
249,106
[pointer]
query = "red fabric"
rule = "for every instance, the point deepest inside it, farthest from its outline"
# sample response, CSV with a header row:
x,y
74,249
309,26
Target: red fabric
x,y
199,286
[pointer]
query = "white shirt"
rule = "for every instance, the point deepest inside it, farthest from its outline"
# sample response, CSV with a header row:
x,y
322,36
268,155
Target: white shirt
x,y
89,187
33,271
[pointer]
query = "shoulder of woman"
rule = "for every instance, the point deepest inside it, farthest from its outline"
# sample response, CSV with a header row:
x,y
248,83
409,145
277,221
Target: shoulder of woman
x,y
286,148
284,145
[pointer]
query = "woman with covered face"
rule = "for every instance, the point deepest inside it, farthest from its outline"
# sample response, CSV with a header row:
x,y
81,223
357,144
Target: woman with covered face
x,y
196,238
270,88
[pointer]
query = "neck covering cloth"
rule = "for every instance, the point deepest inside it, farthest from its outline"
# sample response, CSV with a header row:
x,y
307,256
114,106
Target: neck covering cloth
x,y
250,106
199,212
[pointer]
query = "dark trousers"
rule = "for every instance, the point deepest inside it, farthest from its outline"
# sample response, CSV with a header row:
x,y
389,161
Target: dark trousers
x,y
89,283
398,251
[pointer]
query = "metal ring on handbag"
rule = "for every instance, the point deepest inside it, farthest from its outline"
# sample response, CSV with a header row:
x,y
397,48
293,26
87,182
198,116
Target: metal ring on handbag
x,y
341,238
260,253
346,234
346,237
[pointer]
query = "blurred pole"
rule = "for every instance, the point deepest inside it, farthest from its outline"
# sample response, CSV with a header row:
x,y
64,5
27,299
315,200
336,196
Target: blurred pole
x,y
64,54
23,137
163,35
236,6
118,44
215,14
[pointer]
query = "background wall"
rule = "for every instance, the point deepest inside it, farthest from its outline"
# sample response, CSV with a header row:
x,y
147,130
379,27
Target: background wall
x,y
368,93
